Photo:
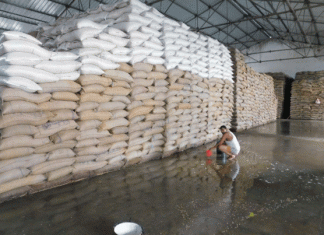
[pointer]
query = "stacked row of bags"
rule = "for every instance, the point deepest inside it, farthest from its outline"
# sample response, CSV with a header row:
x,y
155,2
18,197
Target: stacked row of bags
x,y
131,32
255,98
38,122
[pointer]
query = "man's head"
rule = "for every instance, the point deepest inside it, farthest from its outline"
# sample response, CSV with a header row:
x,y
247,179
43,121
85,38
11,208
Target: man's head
x,y
223,129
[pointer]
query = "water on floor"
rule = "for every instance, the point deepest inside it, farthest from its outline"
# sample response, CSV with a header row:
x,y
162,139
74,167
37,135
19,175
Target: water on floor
x,y
276,186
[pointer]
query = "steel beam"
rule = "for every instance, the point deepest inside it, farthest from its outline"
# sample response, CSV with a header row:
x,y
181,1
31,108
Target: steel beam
x,y
265,16
66,5
293,58
297,21
273,51
175,3
29,9
314,22
11,15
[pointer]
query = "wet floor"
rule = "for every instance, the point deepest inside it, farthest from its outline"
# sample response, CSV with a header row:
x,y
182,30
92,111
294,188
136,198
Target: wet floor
x,y
276,186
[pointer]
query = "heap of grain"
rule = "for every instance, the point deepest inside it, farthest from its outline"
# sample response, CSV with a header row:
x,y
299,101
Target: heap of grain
x,y
255,100
306,89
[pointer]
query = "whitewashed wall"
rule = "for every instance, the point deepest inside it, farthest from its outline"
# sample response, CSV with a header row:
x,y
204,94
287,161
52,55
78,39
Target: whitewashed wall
x,y
290,67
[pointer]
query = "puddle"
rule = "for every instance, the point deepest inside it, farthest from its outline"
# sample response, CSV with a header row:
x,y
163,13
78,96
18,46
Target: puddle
x,y
276,186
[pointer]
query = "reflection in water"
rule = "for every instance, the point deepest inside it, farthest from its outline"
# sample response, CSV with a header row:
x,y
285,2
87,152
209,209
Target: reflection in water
x,y
185,194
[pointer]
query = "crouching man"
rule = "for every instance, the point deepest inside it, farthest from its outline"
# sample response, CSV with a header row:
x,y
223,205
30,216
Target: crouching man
x,y
228,144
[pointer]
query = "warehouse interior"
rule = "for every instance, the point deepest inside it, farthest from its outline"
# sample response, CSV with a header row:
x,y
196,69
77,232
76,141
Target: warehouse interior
x,y
112,115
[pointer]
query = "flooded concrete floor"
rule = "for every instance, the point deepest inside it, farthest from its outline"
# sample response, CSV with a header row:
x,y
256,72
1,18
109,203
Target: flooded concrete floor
x,y
279,177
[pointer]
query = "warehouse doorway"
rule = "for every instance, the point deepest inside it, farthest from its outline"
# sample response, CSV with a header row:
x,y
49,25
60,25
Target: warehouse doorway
x,y
287,95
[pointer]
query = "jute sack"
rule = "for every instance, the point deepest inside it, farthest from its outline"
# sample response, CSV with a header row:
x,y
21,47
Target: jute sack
x,y
138,141
94,97
85,158
110,155
135,135
88,166
154,117
88,125
119,130
16,152
160,96
119,114
117,159
137,119
112,91
160,123
138,90
150,145
22,141
139,126
55,105
51,128
86,80
142,82
21,162
67,86
142,67
134,105
92,133
118,75
56,174
176,87
19,107
134,148
64,135
144,96
153,131
34,119
157,76
9,94
120,84
18,130
118,145
47,166
87,143
94,88
87,106
139,74
158,83
60,153
91,150
51,147
142,110
121,98
29,180
13,175
125,67
160,68
107,125
151,102
158,89
66,96
111,106
113,139
133,157
159,110
63,114
92,115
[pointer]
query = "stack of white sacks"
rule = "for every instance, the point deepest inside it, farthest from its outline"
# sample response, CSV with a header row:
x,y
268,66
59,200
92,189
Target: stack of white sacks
x,y
38,130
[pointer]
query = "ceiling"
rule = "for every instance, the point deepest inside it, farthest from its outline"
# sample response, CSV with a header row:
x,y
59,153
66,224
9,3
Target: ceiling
x,y
236,23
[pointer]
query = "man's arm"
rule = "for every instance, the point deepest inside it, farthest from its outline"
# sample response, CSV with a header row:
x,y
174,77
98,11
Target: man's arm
x,y
221,141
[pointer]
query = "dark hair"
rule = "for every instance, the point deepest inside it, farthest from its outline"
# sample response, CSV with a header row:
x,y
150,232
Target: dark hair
x,y
223,127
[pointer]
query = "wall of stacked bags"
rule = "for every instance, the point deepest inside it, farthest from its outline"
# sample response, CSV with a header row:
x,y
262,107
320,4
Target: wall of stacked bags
x,y
119,85
280,81
254,96
306,89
